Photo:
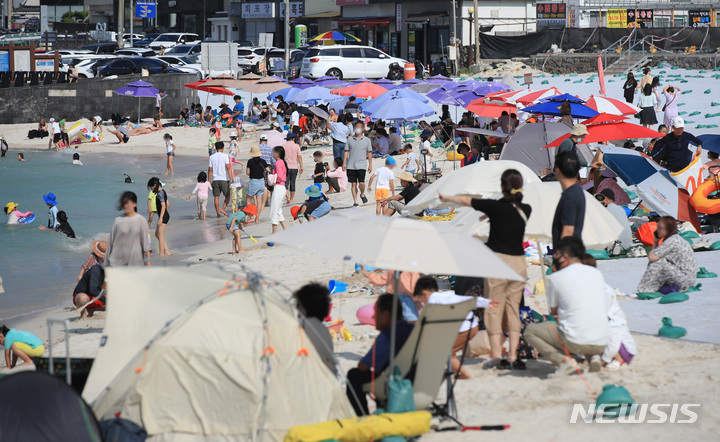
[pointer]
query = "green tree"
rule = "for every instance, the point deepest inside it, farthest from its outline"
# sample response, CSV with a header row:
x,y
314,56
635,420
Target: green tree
x,y
75,16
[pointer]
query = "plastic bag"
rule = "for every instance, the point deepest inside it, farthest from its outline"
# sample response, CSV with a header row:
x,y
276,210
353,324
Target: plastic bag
x,y
400,394
598,254
644,296
670,331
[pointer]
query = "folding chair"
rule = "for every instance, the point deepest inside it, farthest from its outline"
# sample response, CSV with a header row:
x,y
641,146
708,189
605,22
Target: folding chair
x,y
424,357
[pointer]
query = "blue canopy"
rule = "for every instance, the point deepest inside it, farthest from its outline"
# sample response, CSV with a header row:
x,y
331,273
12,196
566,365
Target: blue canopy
x,y
286,93
710,142
314,95
402,109
565,97
372,105
577,110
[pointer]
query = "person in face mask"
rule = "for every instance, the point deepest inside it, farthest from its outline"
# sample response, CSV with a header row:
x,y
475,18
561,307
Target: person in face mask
x,y
358,159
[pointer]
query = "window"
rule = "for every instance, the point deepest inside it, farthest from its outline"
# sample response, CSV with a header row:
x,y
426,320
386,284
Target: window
x,y
122,64
373,53
313,52
331,53
352,53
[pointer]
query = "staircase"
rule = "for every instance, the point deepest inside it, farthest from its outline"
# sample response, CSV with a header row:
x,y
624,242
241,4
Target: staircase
x,y
628,61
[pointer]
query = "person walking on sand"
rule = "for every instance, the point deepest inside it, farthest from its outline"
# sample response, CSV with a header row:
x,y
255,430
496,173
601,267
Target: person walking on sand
x,y
220,175
508,218
293,159
170,145
256,167
671,103
358,159
163,207
20,345
129,243
570,212
202,189
279,191
629,88
647,103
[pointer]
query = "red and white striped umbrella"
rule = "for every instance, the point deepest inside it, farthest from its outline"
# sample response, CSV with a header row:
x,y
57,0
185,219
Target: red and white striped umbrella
x,y
523,96
611,106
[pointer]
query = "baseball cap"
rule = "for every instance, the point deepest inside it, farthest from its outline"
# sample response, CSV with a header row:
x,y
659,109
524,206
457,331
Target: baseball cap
x,y
263,137
390,161
678,122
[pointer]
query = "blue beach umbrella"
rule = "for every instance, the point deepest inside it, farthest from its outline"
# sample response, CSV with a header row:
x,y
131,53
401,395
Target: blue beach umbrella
x,y
407,83
565,97
577,110
301,83
402,109
329,82
371,106
387,84
286,93
314,95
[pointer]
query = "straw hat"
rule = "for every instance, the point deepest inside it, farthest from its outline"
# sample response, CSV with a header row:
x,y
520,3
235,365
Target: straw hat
x,y
255,151
407,176
579,130
99,248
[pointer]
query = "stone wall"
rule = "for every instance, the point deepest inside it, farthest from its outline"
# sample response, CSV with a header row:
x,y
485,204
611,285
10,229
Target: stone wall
x,y
92,96
564,64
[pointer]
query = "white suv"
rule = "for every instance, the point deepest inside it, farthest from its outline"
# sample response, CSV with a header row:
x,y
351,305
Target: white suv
x,y
248,58
347,61
172,39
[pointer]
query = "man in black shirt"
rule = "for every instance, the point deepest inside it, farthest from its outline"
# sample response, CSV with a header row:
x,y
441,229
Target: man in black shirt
x,y
88,288
570,211
671,151
393,204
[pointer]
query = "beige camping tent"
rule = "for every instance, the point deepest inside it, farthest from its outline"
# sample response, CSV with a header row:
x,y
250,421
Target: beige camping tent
x,y
187,356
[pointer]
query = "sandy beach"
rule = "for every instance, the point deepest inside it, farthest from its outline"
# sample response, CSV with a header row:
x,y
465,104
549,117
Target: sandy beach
x,y
664,372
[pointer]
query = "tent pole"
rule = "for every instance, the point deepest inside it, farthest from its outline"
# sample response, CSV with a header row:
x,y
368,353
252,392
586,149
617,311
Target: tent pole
x,y
542,267
635,208
393,325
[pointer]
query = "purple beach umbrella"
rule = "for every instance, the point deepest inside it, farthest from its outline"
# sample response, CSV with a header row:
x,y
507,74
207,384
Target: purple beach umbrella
x,y
138,89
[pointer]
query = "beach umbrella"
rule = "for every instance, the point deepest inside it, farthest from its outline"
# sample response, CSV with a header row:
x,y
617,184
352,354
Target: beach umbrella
x,y
611,106
710,142
497,84
524,96
314,95
274,138
526,145
370,106
402,109
320,112
657,189
301,83
606,127
196,84
478,131
138,89
330,82
265,85
392,242
361,80
600,230
478,180
482,109
333,36
408,83
565,97
224,82
286,93
216,90
424,88
387,84
551,107
438,79
361,90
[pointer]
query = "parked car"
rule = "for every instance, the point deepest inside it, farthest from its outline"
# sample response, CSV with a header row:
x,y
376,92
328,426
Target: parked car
x,y
136,38
98,65
244,43
248,58
124,66
83,64
173,39
100,48
135,52
182,63
296,58
191,51
347,61
276,60
69,52
146,40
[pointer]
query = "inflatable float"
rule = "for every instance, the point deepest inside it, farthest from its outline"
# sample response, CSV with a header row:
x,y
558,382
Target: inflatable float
x,y
75,132
700,198
365,428
27,219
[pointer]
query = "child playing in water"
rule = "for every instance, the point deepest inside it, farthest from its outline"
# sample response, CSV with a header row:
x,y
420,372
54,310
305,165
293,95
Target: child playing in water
x,y
170,154
51,202
14,216
201,189
163,207
152,206
21,157
385,183
211,142
235,222
63,225
76,159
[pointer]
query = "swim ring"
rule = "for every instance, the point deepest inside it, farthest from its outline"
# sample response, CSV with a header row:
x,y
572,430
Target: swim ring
x,y
700,200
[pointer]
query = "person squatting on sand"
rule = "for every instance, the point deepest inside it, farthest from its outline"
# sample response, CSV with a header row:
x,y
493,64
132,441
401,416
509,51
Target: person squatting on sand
x,y
672,266
20,345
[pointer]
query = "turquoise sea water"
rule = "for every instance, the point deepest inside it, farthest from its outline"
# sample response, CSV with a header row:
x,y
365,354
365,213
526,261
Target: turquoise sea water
x,y
39,268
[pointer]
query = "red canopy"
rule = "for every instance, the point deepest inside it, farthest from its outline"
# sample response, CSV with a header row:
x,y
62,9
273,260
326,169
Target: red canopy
x,y
482,109
216,90
197,84
606,127
360,90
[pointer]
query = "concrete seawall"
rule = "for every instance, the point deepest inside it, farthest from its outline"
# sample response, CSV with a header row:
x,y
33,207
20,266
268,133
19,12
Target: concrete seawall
x,y
564,64
92,96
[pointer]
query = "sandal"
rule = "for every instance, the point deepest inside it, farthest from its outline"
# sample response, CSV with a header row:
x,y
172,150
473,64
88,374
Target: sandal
x,y
504,365
493,364
518,365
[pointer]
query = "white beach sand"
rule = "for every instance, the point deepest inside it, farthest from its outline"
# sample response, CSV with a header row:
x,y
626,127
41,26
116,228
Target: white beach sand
x,y
665,371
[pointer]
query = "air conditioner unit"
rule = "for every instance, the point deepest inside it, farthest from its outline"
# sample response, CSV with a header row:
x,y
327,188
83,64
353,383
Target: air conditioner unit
x,y
172,3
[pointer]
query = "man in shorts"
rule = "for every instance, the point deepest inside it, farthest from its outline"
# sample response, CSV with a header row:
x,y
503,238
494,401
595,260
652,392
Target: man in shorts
x,y
293,158
220,174
120,132
358,159
397,203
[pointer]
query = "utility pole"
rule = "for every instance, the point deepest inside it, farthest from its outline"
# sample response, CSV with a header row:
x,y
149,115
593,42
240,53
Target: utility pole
x,y
287,39
454,36
120,22
132,22
477,34
204,19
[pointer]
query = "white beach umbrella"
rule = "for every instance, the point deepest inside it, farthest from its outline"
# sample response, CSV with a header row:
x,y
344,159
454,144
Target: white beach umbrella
x,y
479,179
397,243
600,230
